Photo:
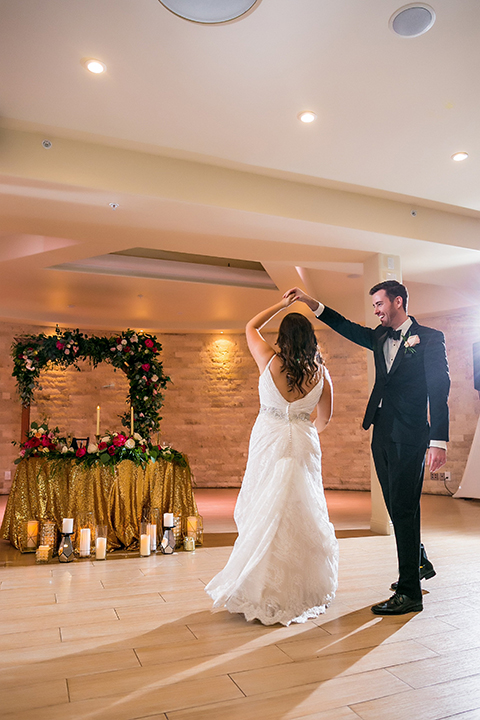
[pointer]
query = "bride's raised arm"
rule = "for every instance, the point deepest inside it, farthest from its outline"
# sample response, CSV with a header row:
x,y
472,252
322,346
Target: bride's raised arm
x,y
260,349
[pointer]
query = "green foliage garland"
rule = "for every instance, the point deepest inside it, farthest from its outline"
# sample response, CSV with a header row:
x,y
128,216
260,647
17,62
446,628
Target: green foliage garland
x,y
134,353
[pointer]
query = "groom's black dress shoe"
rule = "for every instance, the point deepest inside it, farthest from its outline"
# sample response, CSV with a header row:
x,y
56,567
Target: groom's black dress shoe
x,y
427,571
397,605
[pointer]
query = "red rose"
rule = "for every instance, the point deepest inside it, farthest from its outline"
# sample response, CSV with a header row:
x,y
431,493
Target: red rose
x,y
144,448
149,343
60,345
45,441
102,446
119,440
126,349
146,367
111,450
34,442
80,452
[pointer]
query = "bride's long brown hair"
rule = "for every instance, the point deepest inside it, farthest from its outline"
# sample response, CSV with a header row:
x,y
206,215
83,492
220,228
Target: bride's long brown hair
x,y
299,352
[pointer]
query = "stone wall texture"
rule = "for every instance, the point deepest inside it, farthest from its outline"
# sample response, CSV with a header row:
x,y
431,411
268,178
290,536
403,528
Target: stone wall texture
x,y
212,401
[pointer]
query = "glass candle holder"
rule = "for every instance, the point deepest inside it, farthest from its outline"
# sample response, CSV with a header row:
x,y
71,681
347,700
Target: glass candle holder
x,y
193,527
144,539
101,535
44,554
29,536
65,550
188,543
178,531
154,525
48,534
85,534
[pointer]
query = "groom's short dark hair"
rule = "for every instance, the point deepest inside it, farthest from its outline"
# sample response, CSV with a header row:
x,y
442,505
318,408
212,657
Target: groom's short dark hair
x,y
393,289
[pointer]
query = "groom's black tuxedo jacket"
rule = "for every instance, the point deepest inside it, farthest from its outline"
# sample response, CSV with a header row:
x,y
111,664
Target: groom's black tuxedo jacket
x,y
417,385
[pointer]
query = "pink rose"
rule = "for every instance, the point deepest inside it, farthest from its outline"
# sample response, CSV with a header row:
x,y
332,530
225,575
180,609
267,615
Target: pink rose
x,y
45,441
60,345
149,343
80,452
119,440
146,367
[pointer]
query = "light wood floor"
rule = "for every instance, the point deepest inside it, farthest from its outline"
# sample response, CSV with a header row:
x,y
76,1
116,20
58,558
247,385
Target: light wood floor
x,y
136,638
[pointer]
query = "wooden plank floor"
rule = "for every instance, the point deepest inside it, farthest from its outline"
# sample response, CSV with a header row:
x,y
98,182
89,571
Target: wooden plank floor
x,y
135,637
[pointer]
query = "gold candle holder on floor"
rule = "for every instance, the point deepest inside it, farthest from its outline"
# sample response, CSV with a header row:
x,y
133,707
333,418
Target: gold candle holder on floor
x,y
43,554
29,536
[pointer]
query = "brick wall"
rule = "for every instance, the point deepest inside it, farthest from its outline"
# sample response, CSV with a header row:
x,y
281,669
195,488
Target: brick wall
x,y
212,402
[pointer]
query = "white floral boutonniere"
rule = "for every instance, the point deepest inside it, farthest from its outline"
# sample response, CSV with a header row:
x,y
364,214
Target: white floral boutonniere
x,y
409,342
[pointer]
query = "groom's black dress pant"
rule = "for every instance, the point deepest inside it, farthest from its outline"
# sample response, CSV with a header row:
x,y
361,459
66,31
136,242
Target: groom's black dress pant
x,y
400,469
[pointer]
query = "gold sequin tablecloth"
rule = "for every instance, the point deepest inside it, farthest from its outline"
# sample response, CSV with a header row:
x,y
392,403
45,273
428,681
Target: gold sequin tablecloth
x,y
117,499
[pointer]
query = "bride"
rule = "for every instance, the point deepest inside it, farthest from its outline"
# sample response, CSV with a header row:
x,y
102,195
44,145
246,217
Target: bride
x,y
283,566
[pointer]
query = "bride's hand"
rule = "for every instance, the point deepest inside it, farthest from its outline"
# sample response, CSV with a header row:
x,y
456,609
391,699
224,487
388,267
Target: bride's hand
x,y
297,294
288,300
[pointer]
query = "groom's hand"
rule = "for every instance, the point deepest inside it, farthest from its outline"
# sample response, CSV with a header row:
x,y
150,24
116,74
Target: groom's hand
x,y
436,458
298,294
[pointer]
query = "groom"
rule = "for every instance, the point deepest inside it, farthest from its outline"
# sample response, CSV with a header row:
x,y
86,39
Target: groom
x,y
411,382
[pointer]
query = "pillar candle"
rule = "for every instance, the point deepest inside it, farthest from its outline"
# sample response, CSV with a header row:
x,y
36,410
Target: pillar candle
x,y
168,520
32,533
145,545
85,534
152,529
67,526
191,526
131,421
98,419
101,548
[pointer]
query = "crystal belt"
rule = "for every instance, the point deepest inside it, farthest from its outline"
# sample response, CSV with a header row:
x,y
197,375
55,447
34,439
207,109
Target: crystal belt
x,y
284,415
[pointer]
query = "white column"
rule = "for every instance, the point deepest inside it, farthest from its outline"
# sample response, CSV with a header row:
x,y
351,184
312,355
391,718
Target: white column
x,y
377,269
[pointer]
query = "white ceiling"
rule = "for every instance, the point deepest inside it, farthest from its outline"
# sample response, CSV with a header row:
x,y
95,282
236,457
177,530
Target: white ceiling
x,y
391,111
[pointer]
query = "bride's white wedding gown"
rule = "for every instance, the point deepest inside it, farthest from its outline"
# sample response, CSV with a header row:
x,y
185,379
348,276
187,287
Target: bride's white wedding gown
x,y
284,564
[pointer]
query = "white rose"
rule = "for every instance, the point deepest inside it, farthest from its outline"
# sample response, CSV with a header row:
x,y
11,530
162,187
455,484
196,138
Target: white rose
x,y
64,449
45,450
411,341
92,448
119,347
41,430
145,398
154,378
137,437
67,352
134,338
70,449
106,439
130,444
124,342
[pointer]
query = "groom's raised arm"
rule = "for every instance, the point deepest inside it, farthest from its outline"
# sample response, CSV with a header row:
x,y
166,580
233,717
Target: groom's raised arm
x,y
358,334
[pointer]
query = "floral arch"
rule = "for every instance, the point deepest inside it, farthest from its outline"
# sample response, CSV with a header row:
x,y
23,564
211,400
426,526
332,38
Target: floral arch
x,y
135,353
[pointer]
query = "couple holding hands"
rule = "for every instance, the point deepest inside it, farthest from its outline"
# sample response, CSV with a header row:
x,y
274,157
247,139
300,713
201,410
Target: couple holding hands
x,y
284,565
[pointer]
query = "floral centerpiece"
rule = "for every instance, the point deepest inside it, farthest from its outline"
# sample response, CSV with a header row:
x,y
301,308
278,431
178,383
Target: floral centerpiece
x,y
41,442
112,448
136,354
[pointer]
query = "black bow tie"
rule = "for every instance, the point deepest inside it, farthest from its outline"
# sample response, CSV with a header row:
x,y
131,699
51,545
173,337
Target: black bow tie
x,y
394,334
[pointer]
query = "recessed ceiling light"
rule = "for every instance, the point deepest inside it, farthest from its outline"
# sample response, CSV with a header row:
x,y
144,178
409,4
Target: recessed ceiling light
x,y
412,20
459,156
94,66
209,11
306,116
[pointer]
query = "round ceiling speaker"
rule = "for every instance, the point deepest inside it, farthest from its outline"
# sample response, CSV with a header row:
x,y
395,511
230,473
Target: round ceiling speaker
x,y
209,12
412,20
